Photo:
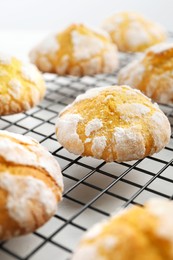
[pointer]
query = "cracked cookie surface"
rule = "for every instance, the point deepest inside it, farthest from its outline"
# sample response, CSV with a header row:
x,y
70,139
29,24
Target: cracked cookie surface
x,y
132,32
135,233
30,185
78,51
21,85
115,123
152,73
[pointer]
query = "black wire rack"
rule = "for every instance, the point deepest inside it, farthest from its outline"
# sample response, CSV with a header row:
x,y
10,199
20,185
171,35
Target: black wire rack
x,y
93,189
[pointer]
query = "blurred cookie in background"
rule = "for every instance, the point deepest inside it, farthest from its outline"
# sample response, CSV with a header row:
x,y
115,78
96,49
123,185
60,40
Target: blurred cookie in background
x,y
78,51
132,32
21,85
152,73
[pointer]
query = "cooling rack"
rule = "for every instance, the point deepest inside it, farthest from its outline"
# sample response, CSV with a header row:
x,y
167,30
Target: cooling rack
x,y
93,189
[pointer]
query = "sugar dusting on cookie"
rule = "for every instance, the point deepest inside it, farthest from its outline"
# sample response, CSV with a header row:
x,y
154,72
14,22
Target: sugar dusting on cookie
x,y
22,192
160,129
133,32
110,59
15,88
24,151
163,211
86,252
30,72
98,146
20,138
94,125
116,123
77,51
127,139
49,45
162,47
95,231
85,46
136,34
66,131
109,242
94,92
126,76
132,110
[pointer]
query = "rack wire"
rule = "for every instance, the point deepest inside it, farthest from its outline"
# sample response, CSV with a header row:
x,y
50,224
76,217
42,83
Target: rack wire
x,y
93,189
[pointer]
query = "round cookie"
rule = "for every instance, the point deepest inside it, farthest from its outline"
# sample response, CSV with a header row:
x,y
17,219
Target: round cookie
x,y
152,73
115,123
21,85
132,32
30,185
76,51
136,233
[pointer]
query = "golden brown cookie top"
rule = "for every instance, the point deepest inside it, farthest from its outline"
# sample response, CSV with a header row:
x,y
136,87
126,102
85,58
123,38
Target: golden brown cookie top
x,y
133,32
22,150
78,50
135,233
30,185
160,58
152,73
21,85
113,123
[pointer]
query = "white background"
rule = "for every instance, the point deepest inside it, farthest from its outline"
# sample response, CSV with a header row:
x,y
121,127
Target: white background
x,y
25,22
53,14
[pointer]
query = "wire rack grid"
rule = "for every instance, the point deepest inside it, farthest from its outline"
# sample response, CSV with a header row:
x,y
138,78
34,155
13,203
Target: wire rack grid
x,y
93,189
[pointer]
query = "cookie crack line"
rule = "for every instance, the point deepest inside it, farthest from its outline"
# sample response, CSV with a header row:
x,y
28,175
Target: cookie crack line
x,y
41,170
129,125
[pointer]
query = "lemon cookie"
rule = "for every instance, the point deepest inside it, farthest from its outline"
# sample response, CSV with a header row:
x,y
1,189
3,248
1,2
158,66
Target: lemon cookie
x,y
30,185
137,233
152,73
78,51
115,123
21,85
132,32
